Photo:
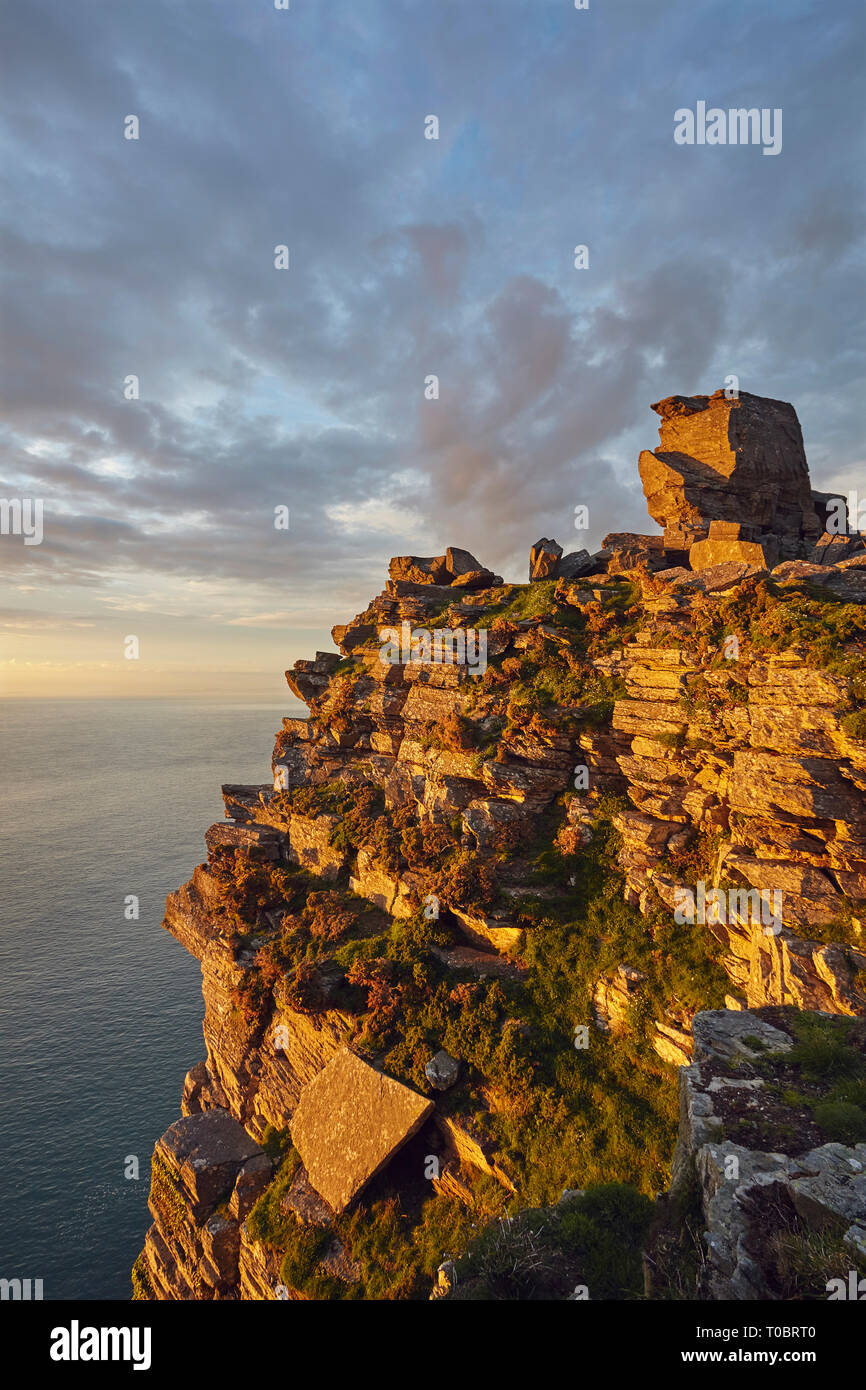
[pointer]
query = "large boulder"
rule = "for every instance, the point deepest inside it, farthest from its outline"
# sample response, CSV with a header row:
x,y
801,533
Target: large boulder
x,y
203,1155
574,564
419,569
465,572
830,548
729,460
349,1123
544,559
442,1070
625,550
310,679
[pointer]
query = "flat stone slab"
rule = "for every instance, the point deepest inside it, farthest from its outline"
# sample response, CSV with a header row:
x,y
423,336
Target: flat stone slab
x,y
349,1123
794,571
208,1140
677,574
715,552
723,1033
715,578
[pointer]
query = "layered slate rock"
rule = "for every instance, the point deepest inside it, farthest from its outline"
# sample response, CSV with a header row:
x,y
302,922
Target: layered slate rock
x,y
729,460
207,1152
818,1187
206,1175
419,569
768,768
349,1123
310,678
624,550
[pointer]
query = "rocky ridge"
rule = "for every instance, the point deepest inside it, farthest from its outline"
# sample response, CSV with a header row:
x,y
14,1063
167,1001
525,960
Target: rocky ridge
x,y
425,891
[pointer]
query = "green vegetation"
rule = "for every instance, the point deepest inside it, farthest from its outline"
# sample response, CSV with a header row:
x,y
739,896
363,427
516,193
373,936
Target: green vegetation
x,y
854,723
552,1115
514,603
611,1107
674,1248
798,1261
830,634
592,1240
805,1261
142,1289
548,1112
276,1142
841,1121
166,1195
398,1257
823,1075
395,1242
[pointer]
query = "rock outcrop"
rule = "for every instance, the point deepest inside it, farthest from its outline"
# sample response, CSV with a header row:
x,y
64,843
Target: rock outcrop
x,y
751,758
562,814
456,568
772,1187
733,461
206,1175
765,1203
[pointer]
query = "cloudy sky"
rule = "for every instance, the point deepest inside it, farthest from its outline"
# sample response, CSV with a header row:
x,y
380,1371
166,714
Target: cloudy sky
x,y
408,257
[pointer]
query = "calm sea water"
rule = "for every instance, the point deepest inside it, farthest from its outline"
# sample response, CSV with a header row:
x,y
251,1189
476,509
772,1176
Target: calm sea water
x,y
100,1017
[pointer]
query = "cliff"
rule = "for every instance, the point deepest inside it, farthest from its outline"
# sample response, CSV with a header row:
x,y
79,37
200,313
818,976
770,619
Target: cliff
x,y
453,950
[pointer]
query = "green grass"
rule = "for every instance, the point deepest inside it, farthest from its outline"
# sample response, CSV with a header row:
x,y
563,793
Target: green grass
x,y
517,602
832,1072
267,1222
397,1251
593,1240
841,1121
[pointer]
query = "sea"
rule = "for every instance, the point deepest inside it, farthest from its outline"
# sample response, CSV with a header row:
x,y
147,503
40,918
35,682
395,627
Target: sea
x,y
103,802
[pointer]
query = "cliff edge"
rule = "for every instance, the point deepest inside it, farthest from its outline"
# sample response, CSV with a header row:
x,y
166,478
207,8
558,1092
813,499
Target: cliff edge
x,y
456,947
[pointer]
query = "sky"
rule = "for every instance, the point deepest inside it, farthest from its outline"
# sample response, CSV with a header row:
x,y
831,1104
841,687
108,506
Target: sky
x,y
306,388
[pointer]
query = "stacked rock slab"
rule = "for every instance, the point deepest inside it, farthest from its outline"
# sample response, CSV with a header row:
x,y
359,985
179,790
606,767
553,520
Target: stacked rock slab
x,y
768,770
206,1175
738,463
457,568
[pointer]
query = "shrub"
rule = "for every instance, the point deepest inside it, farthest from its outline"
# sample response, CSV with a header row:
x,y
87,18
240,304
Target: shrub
x,y
604,1231
511,1255
822,1048
854,723
593,1239
841,1121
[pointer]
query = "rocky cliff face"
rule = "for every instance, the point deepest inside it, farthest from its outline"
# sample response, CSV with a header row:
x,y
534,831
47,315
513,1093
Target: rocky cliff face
x,y
452,950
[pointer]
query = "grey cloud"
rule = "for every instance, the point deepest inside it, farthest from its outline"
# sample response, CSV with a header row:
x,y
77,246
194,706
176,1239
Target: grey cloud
x,y
408,257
